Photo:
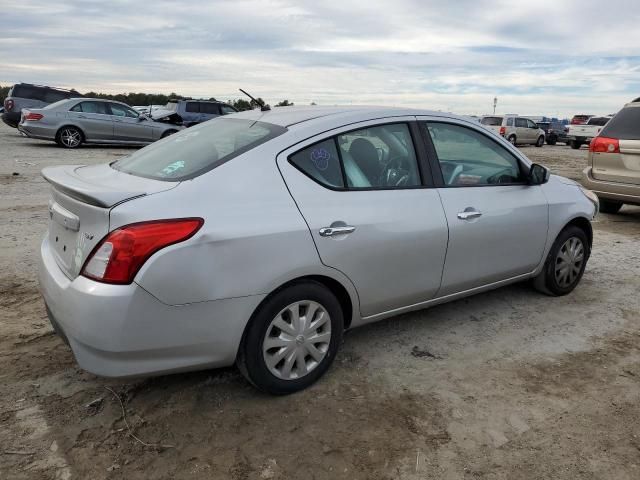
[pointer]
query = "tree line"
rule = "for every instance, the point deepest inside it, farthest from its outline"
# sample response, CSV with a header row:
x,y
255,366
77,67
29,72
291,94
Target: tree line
x,y
141,99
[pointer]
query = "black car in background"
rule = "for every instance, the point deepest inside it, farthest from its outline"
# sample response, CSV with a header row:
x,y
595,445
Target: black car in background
x,y
26,95
554,132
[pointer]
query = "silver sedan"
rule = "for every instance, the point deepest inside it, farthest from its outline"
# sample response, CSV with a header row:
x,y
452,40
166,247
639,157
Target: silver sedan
x,y
258,238
75,121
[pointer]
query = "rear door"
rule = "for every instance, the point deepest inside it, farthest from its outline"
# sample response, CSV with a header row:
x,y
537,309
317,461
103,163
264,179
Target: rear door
x,y
623,167
497,222
370,210
523,132
128,126
94,118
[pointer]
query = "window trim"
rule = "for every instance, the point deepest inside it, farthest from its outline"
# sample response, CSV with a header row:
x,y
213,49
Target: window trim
x,y
107,108
421,162
435,161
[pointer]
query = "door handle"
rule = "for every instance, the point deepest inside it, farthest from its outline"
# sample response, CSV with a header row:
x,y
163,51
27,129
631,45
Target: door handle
x,y
341,230
469,214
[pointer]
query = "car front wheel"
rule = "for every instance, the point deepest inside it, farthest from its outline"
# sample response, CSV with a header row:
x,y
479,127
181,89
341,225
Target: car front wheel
x,y
565,263
292,338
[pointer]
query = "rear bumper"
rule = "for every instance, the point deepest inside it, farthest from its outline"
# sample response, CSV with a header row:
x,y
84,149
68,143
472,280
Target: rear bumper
x,y
11,118
40,133
574,138
122,330
620,192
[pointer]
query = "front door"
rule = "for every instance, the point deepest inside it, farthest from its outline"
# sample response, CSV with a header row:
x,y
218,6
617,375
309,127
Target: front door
x,y
129,126
497,222
370,211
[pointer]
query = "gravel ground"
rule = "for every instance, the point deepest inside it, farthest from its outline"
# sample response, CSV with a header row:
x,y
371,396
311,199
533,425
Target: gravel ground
x,y
508,384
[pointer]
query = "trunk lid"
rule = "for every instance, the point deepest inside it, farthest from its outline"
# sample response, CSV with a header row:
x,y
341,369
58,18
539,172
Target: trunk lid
x,y
623,167
82,197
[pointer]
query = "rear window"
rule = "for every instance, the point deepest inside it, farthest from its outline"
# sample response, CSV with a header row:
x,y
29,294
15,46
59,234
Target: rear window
x,y
492,121
599,121
625,125
197,150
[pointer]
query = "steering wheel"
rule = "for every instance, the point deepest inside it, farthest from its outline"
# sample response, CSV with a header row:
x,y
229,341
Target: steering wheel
x,y
503,176
395,173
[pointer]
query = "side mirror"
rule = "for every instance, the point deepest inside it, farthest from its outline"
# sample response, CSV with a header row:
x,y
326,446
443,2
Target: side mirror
x,y
142,117
538,174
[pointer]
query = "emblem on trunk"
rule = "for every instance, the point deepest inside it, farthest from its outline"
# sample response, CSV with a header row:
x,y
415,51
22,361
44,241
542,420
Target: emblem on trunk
x,y
88,236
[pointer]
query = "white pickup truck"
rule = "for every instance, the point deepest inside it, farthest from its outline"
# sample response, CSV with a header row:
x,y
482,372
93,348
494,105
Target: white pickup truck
x,y
581,134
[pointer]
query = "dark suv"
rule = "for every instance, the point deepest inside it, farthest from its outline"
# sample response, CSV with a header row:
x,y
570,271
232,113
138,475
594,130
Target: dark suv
x,y
554,132
25,95
192,112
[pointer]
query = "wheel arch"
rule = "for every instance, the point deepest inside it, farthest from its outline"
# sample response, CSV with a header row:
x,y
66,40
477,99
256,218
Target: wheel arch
x,y
584,224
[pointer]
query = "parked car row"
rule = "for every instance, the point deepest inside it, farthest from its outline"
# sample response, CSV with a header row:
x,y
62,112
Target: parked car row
x,y
64,116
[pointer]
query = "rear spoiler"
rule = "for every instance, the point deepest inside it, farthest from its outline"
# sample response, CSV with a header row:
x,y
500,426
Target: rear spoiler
x,y
66,180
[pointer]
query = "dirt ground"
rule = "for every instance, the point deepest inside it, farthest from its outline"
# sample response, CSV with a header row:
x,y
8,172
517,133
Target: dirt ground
x,y
506,385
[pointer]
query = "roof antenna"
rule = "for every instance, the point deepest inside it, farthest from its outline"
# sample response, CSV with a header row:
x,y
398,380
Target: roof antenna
x,y
263,107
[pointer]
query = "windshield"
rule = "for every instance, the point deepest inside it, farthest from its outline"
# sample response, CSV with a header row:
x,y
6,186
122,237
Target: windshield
x,y
198,149
173,106
492,121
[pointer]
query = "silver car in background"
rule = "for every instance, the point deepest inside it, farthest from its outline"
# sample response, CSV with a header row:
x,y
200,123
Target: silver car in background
x,y
75,121
257,238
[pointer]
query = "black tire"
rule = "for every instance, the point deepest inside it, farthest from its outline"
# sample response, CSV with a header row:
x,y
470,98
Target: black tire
x,y
512,140
575,145
552,140
610,206
65,134
251,361
168,133
540,141
547,281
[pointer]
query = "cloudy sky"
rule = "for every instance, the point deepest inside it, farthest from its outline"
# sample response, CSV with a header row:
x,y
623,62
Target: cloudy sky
x,y
538,57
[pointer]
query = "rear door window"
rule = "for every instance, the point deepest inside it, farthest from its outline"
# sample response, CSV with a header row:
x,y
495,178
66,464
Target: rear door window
x,y
209,108
197,150
625,125
92,107
51,96
193,107
321,162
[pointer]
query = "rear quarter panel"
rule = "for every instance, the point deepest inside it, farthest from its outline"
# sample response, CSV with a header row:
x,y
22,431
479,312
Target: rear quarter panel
x,y
253,240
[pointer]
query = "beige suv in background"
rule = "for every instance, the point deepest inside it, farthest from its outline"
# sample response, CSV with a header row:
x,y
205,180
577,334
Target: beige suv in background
x,y
614,161
518,130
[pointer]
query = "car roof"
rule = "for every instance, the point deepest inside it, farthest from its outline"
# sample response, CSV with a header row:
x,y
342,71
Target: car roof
x,y
294,115
104,100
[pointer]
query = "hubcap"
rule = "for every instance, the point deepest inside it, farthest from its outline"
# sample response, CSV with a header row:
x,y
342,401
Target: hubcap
x,y
70,138
297,340
569,262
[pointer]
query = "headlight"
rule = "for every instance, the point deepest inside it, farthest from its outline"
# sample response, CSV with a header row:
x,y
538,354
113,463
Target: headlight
x,y
593,198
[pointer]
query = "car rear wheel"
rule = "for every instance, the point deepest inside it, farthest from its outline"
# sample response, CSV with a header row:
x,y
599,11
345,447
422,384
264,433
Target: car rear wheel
x,y
565,263
575,145
512,139
292,338
609,206
69,137
540,141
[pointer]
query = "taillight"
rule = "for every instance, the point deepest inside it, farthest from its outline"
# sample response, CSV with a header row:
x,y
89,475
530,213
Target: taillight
x,y
119,256
604,145
503,130
8,104
33,116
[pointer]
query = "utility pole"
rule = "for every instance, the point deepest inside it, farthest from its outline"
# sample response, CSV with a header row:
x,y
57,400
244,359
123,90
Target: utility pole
x,y
495,102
